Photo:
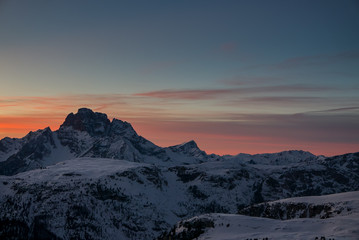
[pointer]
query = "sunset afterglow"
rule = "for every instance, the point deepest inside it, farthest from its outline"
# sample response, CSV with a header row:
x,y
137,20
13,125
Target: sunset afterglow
x,y
235,76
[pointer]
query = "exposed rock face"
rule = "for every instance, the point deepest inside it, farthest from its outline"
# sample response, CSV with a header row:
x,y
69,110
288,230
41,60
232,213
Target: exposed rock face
x,y
190,149
95,124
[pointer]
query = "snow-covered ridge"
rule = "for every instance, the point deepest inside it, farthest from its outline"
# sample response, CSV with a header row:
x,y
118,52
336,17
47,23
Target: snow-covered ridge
x,y
234,227
82,167
328,206
330,198
343,225
281,158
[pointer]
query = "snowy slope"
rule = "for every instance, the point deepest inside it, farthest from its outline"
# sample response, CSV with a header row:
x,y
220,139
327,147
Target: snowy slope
x,y
234,227
343,225
108,198
101,198
307,207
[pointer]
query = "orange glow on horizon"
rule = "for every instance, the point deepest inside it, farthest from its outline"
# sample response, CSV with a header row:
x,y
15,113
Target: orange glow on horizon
x,y
19,126
222,144
211,143
212,137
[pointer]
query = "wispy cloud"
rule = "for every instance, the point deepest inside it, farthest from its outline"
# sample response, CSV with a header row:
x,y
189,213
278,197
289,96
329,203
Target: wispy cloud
x,y
284,99
245,80
187,94
334,110
198,94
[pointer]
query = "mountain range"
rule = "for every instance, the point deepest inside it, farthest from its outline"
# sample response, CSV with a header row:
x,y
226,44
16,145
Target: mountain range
x,y
98,179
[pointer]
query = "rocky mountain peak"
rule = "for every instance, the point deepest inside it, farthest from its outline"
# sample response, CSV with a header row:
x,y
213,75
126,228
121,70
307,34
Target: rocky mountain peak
x,y
46,132
119,127
189,145
85,119
4,143
189,148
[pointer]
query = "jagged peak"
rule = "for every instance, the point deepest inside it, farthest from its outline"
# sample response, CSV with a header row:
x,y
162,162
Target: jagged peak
x,y
39,132
120,123
121,127
186,146
88,114
189,144
96,124
85,111
85,119
47,129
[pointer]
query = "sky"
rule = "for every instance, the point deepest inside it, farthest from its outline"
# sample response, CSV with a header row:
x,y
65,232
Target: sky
x,y
235,76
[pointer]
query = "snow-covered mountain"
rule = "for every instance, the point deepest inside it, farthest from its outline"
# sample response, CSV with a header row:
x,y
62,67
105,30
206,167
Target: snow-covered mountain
x,y
98,179
89,134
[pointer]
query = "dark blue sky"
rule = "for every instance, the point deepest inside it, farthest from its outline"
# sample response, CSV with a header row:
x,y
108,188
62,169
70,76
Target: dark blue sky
x,y
206,61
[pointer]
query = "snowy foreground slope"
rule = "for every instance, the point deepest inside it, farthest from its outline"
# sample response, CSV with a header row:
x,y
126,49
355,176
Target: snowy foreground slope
x,y
341,224
98,179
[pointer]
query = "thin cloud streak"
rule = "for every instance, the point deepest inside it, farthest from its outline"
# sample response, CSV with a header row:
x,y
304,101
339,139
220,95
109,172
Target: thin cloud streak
x,y
245,80
284,99
336,110
199,94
